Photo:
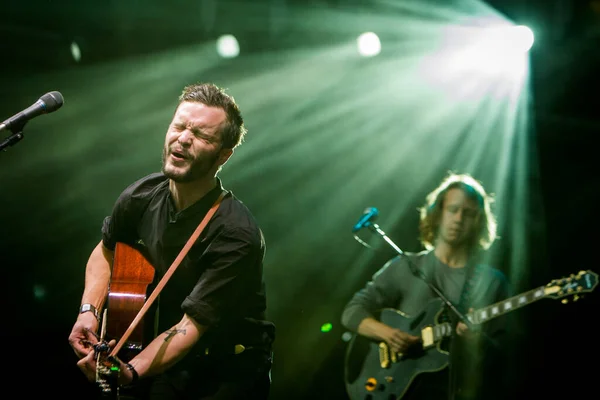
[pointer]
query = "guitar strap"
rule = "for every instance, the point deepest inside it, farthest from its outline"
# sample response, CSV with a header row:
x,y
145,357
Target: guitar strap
x,y
168,274
467,291
473,273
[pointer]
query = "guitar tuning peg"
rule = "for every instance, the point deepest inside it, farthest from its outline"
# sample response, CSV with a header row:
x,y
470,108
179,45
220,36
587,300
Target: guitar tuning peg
x,y
575,298
564,301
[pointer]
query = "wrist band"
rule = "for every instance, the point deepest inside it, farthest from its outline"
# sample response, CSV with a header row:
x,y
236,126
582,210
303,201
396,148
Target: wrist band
x,y
133,372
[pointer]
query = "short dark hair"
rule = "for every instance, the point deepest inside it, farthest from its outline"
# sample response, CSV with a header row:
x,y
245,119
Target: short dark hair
x,y
233,131
431,211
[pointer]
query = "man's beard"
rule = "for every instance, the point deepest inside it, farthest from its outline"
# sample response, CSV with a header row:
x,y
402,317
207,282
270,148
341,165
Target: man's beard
x,y
197,168
468,240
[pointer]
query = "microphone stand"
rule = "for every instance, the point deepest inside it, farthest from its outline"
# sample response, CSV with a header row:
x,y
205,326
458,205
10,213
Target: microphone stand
x,y
15,137
11,140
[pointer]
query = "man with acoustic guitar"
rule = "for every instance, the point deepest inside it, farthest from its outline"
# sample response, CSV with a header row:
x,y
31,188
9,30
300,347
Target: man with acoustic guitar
x,y
456,228
207,334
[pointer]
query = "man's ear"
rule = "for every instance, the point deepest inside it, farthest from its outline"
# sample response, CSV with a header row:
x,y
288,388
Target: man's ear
x,y
224,156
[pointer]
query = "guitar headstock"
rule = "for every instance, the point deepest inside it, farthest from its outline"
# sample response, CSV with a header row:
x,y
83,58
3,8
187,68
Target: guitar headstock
x,y
575,286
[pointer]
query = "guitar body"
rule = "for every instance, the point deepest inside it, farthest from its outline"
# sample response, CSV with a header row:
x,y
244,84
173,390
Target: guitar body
x,y
130,277
367,379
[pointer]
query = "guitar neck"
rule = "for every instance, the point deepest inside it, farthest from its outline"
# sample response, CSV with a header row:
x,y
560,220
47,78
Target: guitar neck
x,y
576,285
431,335
505,306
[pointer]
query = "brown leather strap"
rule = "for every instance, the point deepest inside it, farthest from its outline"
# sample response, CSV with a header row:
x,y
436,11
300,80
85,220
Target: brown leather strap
x,y
168,274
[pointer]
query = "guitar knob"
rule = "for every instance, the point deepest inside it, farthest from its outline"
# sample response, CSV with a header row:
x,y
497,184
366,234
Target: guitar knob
x,y
371,384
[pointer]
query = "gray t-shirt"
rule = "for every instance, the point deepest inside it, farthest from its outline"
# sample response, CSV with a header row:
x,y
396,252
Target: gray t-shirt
x,y
449,280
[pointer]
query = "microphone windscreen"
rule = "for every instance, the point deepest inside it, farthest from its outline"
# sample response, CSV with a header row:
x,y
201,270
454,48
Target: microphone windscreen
x,y
52,101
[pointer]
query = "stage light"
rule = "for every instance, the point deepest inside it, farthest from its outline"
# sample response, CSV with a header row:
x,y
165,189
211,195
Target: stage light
x,y
228,46
75,51
368,44
523,38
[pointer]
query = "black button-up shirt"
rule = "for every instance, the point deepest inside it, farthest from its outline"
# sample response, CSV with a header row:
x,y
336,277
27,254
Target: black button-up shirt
x,y
220,281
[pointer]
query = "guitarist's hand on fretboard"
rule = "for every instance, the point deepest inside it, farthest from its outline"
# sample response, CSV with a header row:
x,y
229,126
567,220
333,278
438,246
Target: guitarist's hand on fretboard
x,y
87,365
98,366
463,330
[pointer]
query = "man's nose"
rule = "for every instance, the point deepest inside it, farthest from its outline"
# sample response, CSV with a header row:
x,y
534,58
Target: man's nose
x,y
185,137
459,215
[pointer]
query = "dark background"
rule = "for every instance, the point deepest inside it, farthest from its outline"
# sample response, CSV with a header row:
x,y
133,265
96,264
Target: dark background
x,y
56,188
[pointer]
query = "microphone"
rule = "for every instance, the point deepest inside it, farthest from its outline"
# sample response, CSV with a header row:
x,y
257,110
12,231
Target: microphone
x,y
370,214
48,103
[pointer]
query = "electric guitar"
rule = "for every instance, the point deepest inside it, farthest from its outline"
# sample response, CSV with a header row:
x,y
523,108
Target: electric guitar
x,y
121,319
373,372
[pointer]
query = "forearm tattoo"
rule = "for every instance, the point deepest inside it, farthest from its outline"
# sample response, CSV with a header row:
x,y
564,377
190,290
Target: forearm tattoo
x,y
172,332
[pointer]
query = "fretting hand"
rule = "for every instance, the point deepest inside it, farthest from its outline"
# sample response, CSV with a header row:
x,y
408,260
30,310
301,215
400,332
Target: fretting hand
x,y
463,330
88,365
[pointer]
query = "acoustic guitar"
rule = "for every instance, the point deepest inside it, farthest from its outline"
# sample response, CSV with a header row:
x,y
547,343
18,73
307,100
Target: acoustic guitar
x,y
374,372
127,295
